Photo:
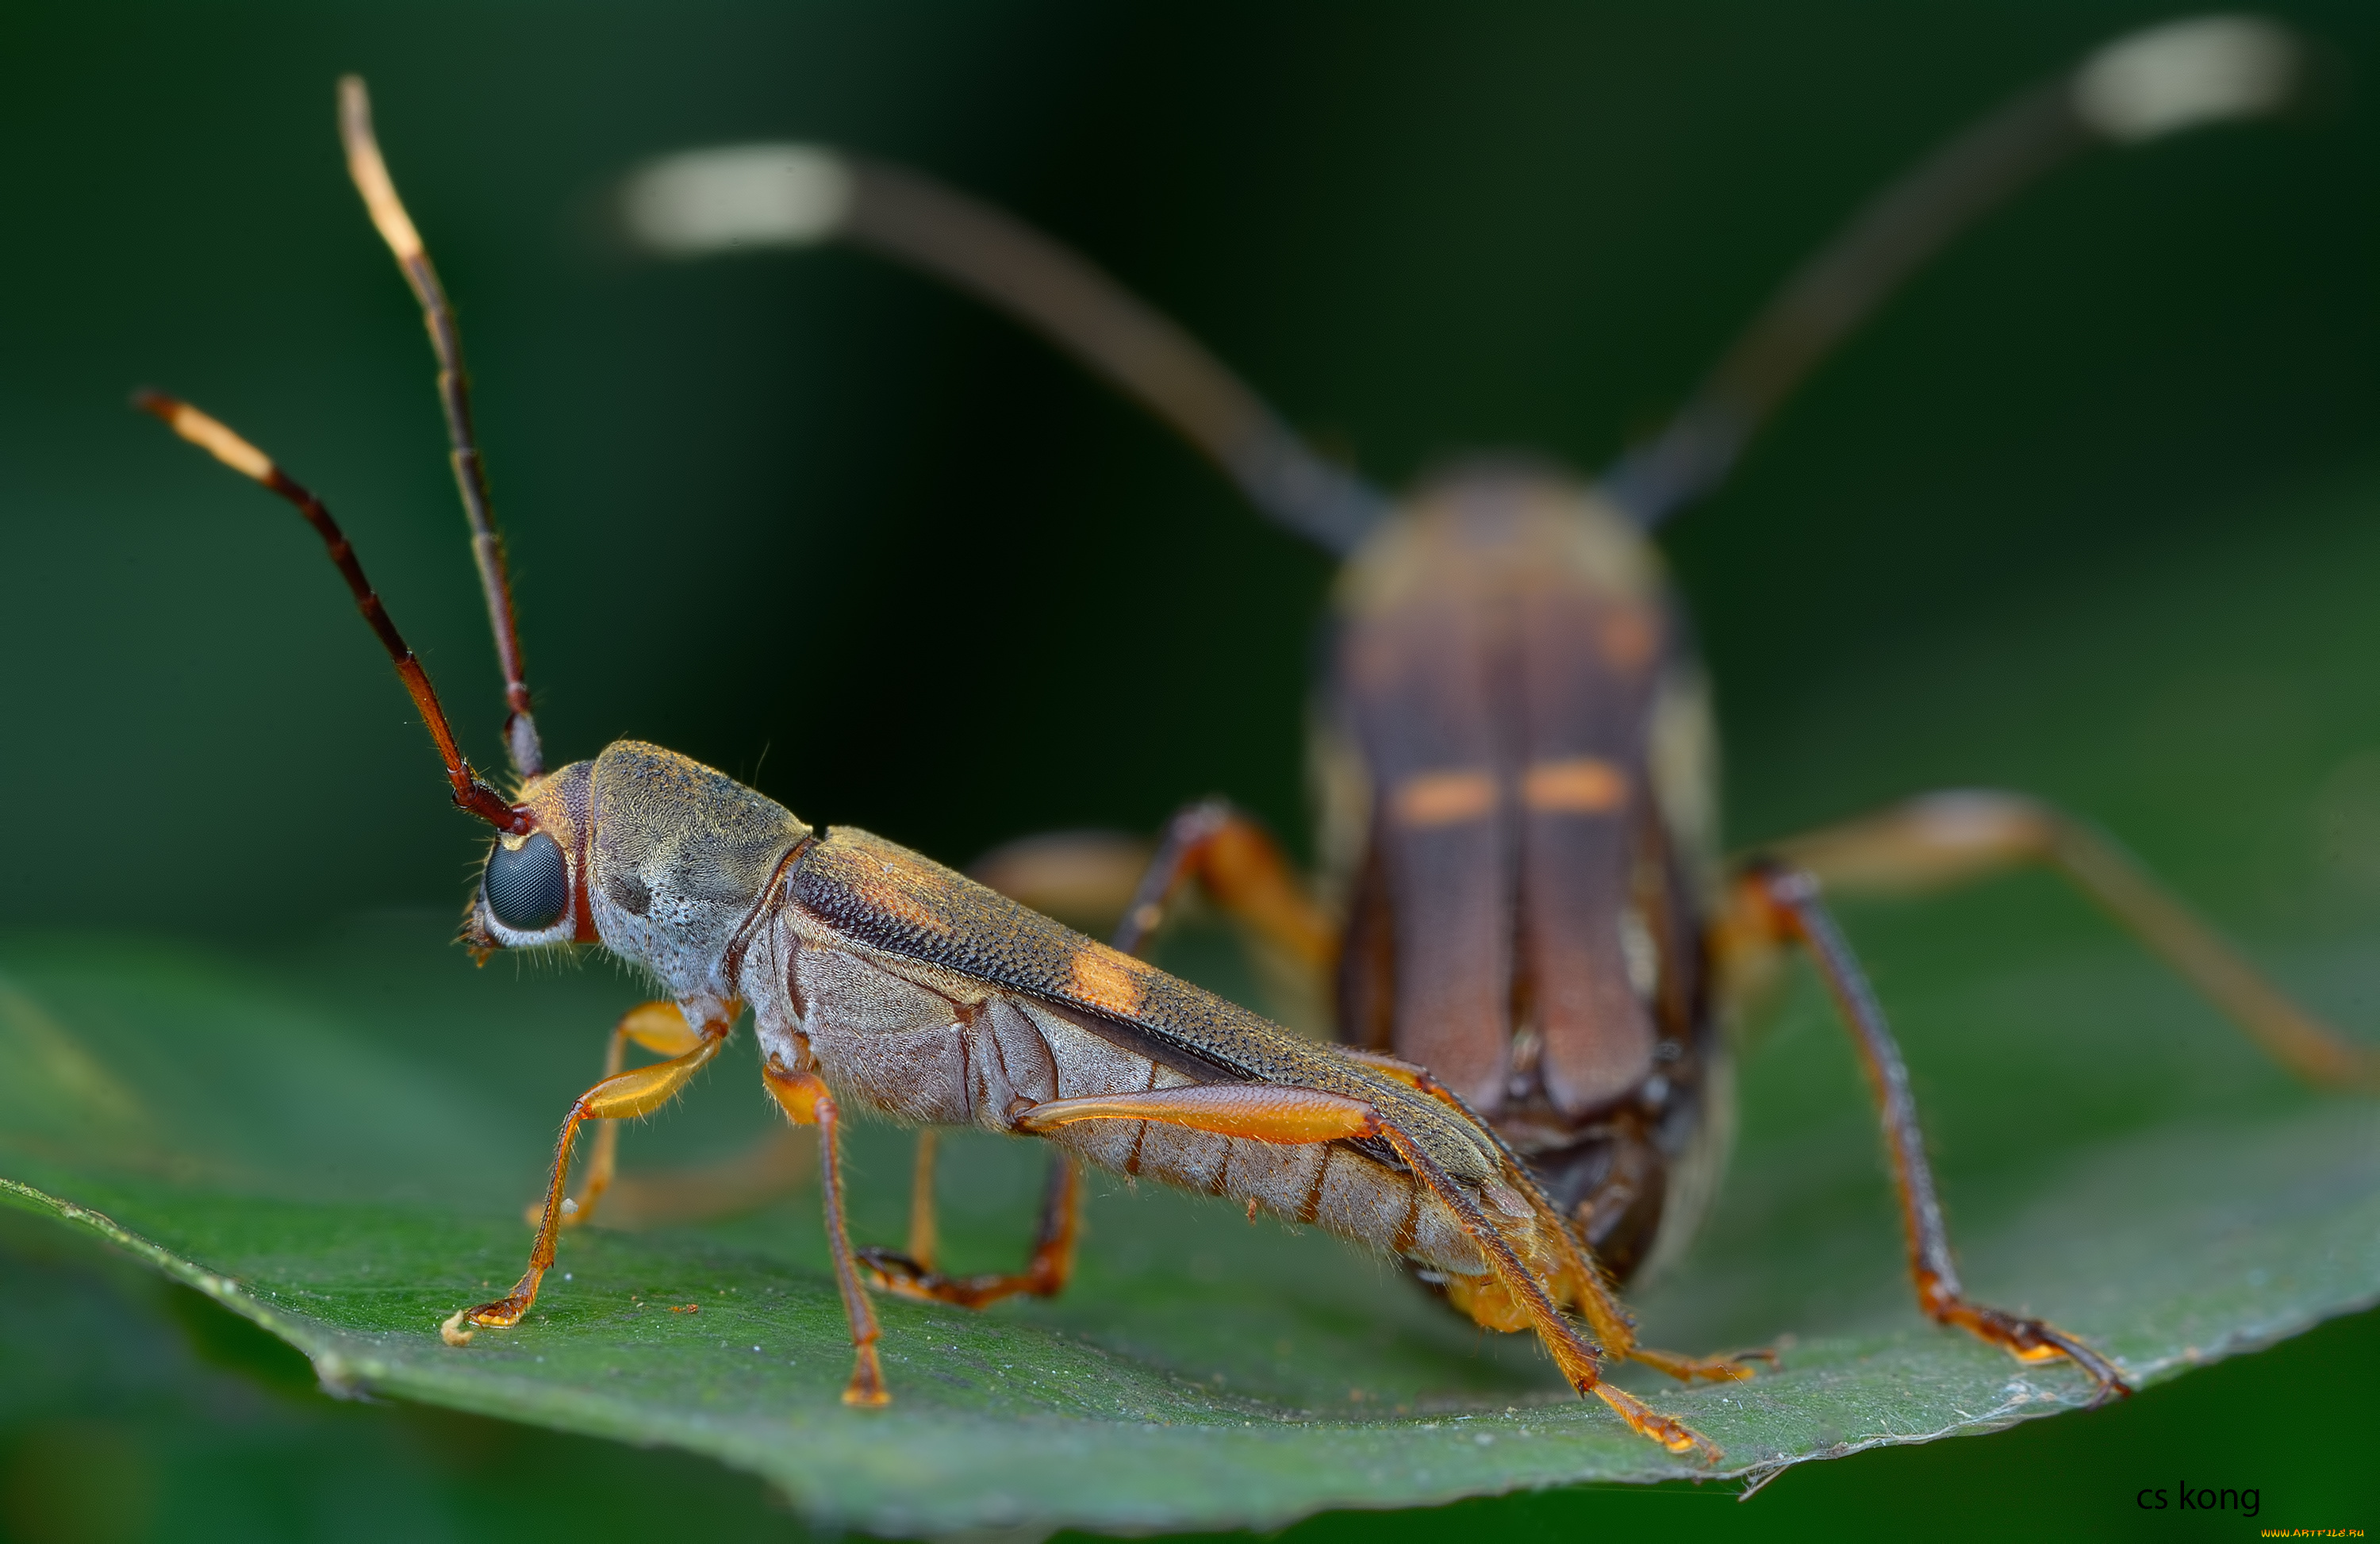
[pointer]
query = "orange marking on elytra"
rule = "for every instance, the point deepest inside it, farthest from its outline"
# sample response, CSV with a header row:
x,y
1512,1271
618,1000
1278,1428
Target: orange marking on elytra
x,y
1579,785
896,895
1106,979
1444,798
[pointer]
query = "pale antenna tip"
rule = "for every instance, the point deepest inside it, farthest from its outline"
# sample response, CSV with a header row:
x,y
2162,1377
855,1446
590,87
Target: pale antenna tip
x,y
355,110
216,439
2183,74
369,172
734,197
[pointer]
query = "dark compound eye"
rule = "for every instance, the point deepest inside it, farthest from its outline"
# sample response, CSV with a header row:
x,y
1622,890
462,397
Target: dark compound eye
x,y
529,886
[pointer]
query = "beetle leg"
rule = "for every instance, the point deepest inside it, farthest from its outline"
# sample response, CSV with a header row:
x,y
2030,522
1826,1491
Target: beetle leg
x,y
805,1098
1272,1112
1786,902
658,1026
619,1097
1262,1112
1571,1351
775,1163
1589,1291
913,1274
1237,862
925,1237
1950,838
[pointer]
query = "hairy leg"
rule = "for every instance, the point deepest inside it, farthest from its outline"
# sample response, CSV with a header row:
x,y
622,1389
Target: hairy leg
x,y
803,1098
619,1097
1785,903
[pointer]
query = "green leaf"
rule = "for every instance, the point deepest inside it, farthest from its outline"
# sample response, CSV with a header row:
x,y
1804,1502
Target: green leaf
x,y
335,1143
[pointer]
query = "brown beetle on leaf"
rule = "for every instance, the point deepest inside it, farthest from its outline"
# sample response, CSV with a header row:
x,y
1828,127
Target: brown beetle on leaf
x,y
879,979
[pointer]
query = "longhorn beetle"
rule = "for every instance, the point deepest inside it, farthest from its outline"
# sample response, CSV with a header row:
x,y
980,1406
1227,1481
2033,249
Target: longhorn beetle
x,y
1512,747
881,980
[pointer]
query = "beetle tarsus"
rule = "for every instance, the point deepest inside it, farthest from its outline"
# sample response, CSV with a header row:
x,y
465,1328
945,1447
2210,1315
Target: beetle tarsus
x,y
1670,1432
505,1312
1728,1369
2031,1340
866,1390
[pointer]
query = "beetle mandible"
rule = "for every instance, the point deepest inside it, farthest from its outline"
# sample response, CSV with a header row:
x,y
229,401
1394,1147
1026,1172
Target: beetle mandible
x,y
1513,749
879,979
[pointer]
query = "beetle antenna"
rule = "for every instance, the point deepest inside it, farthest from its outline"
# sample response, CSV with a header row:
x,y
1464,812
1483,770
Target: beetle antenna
x,y
2141,87
740,197
470,792
371,179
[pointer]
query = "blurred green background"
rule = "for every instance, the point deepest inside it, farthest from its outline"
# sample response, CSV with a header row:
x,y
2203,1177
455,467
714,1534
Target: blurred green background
x,y
823,526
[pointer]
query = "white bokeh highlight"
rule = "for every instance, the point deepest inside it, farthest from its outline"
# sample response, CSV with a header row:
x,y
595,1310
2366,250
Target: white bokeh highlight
x,y
737,197
2184,74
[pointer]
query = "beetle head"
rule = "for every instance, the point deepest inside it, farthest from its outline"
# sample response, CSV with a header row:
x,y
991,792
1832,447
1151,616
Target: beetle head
x,y
532,891
1499,524
651,854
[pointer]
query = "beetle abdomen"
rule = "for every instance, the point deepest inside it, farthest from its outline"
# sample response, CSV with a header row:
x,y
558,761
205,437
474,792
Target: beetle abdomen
x,y
1330,1186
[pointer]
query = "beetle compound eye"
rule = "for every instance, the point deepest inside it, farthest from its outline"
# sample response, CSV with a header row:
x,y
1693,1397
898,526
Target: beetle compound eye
x,y
528,885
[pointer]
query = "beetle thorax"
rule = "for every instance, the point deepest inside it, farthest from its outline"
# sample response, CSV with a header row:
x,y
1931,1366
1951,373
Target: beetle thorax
x,y
678,858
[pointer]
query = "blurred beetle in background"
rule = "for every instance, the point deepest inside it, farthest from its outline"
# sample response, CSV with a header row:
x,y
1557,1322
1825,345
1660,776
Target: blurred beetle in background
x,y
1511,743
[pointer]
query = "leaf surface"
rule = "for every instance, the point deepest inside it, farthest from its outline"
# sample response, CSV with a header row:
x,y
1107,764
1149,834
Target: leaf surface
x,y
337,1146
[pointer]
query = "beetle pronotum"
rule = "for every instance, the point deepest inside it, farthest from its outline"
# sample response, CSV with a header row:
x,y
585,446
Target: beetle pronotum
x,y
878,979
1513,745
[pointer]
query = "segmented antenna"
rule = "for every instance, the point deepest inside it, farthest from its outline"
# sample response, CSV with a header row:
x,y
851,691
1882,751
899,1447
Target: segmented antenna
x,y
2141,87
371,179
470,792
737,198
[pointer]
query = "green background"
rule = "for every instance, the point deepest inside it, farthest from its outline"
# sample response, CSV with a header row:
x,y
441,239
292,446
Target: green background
x,y
2087,511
